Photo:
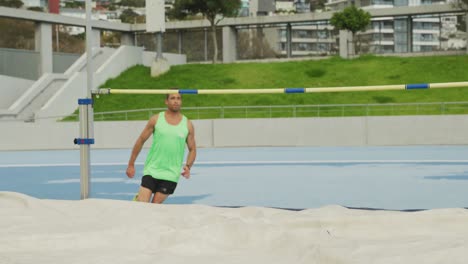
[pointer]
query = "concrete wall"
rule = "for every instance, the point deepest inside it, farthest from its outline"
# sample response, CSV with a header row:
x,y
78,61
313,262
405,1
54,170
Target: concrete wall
x,y
62,61
26,63
11,88
348,131
174,59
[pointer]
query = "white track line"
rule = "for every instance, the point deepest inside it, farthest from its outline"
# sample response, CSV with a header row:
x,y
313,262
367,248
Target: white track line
x,y
258,162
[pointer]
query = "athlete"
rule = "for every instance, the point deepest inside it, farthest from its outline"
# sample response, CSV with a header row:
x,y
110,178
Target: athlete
x,y
171,131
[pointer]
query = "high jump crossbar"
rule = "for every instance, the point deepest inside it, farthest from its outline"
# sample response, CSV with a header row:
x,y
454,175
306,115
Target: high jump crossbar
x,y
288,90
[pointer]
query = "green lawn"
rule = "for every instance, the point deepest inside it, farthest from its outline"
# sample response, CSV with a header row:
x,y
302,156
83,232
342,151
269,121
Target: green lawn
x,y
366,70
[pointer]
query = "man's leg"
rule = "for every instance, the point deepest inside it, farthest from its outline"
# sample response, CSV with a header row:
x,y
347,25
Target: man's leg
x,y
144,194
159,197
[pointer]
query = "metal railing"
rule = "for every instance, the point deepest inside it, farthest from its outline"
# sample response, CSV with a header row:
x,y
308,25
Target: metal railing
x,y
278,111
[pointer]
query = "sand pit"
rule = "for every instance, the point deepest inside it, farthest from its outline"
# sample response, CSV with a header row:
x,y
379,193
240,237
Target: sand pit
x,y
110,231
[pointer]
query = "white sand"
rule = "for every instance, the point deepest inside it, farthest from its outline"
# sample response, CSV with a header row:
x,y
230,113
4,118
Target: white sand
x,y
96,231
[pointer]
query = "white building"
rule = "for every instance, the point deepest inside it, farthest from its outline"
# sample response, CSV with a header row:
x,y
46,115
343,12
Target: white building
x,y
285,6
399,35
79,13
261,7
34,3
306,40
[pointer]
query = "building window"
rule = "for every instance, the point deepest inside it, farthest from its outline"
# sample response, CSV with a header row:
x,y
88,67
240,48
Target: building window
x,y
401,38
426,48
423,37
282,33
401,48
400,25
382,2
322,34
401,2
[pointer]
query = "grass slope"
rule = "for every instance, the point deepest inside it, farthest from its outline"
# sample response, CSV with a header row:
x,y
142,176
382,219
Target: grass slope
x,y
366,70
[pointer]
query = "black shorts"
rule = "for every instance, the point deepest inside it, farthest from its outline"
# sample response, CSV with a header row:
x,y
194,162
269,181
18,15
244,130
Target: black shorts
x,y
156,185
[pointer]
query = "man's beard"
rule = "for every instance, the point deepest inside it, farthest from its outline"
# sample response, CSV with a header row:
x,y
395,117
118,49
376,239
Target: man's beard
x,y
174,109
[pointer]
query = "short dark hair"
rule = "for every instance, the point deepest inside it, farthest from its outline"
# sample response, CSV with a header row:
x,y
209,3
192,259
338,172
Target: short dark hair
x,y
172,88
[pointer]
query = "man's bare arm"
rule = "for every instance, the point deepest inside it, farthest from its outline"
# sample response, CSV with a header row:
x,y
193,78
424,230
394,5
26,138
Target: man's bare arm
x,y
145,134
192,147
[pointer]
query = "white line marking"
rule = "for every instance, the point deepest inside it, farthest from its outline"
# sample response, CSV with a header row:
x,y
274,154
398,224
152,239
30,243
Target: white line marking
x,y
258,162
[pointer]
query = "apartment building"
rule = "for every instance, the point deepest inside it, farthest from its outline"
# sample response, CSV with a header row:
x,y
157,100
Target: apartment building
x,y
384,35
399,34
318,38
34,3
257,7
292,6
309,39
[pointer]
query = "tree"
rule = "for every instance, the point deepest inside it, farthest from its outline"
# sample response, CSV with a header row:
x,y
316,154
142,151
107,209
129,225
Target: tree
x,y
131,17
463,4
16,34
352,19
133,3
11,3
36,8
212,10
75,4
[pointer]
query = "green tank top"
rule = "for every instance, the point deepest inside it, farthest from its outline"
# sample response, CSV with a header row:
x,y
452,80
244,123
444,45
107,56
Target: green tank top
x,y
166,155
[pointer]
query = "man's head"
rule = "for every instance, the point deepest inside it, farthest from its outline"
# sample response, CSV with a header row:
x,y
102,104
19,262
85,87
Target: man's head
x,y
173,101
